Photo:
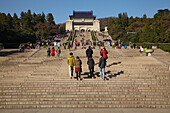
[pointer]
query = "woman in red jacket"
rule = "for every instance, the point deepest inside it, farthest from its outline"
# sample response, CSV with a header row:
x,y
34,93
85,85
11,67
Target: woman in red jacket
x,y
104,53
53,52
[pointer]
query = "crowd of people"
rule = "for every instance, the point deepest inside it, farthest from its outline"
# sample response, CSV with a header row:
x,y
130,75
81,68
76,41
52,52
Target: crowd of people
x,y
76,64
22,47
90,62
51,52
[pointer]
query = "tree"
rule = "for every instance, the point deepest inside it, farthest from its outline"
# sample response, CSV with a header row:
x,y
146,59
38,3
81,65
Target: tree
x,y
16,22
147,34
144,17
50,19
125,20
43,18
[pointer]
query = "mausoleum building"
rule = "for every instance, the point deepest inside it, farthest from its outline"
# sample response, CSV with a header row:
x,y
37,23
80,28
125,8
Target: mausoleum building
x,y
83,20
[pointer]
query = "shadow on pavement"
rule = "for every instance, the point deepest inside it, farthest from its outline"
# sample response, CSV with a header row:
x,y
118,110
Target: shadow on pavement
x,y
115,63
116,74
96,74
6,53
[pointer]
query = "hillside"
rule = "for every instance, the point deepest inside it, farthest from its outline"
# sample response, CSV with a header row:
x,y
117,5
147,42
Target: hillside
x,y
153,30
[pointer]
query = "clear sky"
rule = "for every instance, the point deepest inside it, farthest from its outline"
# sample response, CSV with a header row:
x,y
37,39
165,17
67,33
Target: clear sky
x,y
61,9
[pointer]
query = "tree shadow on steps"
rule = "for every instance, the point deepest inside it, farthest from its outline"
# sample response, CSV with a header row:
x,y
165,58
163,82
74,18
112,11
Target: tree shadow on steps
x,y
116,74
6,53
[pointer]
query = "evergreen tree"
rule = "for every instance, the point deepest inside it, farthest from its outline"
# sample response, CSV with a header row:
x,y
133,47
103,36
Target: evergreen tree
x,y
16,22
144,17
147,34
125,20
119,19
50,19
43,17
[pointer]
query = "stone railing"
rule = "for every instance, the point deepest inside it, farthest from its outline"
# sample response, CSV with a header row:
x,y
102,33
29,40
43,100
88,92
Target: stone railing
x,y
96,36
73,38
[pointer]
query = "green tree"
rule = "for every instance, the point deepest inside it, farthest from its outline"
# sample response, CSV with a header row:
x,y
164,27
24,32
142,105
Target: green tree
x,y
144,18
125,20
16,22
147,34
50,19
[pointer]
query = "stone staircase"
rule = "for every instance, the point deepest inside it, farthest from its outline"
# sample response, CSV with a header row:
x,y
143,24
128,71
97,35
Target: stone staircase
x,y
44,82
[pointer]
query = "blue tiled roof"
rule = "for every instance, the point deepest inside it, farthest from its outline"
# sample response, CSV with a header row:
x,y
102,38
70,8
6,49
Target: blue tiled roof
x,y
82,14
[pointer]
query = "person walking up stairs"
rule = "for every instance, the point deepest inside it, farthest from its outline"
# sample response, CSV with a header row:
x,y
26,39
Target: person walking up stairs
x,y
71,64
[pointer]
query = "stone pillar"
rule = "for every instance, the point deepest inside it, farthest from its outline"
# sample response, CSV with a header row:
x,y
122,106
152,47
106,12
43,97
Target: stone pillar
x,y
69,25
96,25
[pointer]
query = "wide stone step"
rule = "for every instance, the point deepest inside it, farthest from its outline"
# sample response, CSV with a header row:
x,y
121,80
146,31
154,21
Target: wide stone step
x,y
158,97
87,90
83,99
84,93
86,106
88,83
72,84
85,103
54,87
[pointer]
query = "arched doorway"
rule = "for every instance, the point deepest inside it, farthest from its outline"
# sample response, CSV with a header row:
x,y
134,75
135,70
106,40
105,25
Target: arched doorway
x,y
82,30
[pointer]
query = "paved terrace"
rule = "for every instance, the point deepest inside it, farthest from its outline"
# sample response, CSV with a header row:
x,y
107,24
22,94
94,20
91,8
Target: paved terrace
x,y
39,84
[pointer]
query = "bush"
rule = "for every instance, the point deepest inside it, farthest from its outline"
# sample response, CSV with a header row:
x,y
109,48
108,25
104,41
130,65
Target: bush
x,y
1,44
70,38
165,47
93,37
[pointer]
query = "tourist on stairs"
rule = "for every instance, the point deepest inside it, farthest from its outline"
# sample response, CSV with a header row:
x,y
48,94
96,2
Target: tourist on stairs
x,y
104,53
71,64
91,64
78,68
48,52
53,52
89,52
102,64
58,51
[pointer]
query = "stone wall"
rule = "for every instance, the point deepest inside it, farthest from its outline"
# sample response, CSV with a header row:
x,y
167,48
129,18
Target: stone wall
x,y
82,19
96,25
85,27
69,25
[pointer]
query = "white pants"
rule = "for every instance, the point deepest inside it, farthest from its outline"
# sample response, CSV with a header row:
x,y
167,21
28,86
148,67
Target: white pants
x,y
71,68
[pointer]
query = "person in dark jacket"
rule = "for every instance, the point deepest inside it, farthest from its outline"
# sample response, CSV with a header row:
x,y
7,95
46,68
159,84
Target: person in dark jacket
x,y
102,64
91,64
134,46
48,52
78,68
89,52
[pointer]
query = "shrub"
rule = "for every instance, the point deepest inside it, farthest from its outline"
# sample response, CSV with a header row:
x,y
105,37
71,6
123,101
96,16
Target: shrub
x,y
165,47
93,37
1,44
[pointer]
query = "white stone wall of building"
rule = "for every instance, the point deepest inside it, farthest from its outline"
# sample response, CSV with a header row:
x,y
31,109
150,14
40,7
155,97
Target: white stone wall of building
x,y
69,25
82,19
85,27
96,25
